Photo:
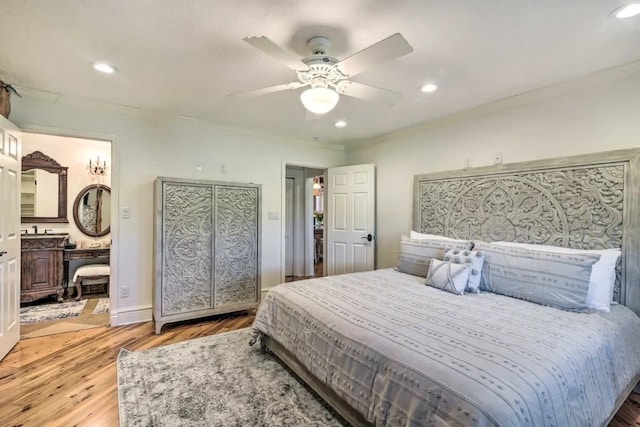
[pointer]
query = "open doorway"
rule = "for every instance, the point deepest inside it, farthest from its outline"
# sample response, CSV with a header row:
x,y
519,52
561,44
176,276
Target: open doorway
x,y
66,207
318,225
304,223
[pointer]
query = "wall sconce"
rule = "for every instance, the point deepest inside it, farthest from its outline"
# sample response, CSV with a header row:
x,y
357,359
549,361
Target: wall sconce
x,y
97,168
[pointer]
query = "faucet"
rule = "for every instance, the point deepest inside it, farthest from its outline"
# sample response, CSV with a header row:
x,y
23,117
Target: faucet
x,y
35,227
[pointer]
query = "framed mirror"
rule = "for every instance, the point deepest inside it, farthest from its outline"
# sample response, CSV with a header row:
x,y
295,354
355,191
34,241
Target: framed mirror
x,y
92,210
43,189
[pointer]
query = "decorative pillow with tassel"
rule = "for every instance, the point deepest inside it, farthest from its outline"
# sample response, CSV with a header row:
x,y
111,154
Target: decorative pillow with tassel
x,y
475,259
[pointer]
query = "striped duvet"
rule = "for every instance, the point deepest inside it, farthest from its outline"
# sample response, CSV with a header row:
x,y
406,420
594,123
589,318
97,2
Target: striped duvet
x,y
405,354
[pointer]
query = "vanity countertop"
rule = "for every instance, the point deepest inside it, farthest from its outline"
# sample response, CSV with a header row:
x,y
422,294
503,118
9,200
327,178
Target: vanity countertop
x,y
42,236
45,235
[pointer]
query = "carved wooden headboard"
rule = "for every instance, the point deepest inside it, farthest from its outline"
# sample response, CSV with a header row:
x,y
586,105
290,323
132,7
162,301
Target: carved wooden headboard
x,y
582,202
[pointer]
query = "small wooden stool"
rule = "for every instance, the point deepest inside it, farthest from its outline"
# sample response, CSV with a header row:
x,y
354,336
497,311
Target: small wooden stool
x,y
91,274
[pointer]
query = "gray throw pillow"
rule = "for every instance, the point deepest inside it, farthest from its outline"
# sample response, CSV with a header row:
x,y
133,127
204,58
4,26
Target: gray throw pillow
x,y
415,255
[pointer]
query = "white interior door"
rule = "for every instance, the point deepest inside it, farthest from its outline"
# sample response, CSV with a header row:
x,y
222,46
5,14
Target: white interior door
x,y
350,223
10,159
288,226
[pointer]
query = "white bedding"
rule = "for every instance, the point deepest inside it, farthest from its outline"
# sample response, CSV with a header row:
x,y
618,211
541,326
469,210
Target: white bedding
x,y
402,353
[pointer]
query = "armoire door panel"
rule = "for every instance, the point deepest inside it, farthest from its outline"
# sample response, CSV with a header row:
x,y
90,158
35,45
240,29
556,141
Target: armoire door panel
x,y
236,245
187,248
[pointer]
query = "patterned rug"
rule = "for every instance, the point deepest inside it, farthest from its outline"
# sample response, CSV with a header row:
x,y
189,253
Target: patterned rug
x,y
213,381
102,306
48,312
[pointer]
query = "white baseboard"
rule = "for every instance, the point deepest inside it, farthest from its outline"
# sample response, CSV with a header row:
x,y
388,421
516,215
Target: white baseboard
x,y
132,315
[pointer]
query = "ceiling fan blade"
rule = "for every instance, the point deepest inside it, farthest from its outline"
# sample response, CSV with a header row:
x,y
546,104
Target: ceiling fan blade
x,y
275,51
265,90
390,48
369,93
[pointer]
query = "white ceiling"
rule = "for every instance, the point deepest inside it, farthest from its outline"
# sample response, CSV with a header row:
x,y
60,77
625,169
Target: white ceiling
x,y
185,56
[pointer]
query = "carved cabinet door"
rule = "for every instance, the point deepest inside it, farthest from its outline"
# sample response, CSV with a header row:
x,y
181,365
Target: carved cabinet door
x,y
42,269
187,248
207,248
236,245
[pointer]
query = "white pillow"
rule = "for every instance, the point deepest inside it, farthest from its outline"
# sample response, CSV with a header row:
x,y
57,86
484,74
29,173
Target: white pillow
x,y
448,276
603,272
422,236
475,259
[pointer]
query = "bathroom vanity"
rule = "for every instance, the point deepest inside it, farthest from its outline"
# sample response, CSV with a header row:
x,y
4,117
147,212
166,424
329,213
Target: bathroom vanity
x,y
42,266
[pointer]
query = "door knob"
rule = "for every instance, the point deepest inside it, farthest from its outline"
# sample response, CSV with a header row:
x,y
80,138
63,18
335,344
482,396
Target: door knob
x,y
368,237
2,252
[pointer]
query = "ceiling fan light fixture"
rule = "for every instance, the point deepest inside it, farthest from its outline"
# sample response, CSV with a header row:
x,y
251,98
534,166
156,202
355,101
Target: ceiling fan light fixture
x,y
627,10
319,100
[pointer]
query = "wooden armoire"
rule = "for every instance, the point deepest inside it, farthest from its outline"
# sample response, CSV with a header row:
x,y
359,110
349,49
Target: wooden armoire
x,y
206,248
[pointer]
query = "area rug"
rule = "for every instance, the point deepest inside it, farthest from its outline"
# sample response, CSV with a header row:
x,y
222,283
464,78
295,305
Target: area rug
x,y
214,381
48,312
102,306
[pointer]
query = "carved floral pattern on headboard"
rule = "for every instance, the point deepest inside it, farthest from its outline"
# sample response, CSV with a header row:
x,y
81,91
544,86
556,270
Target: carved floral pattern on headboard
x,y
579,207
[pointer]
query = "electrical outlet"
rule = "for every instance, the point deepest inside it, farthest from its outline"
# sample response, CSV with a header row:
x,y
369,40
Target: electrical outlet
x,y
198,168
497,158
124,292
223,168
467,162
274,216
125,213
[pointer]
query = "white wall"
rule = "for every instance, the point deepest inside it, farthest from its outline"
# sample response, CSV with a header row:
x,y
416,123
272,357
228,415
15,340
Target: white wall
x,y
73,153
596,114
148,145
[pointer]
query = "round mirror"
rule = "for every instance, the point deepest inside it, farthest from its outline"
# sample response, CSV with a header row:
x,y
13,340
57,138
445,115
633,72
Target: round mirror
x,y
92,209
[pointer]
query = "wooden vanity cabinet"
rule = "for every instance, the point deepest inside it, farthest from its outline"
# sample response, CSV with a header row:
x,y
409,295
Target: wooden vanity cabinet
x,y
42,267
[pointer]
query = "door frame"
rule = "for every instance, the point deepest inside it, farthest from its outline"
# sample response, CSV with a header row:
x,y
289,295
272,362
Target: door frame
x,y
290,199
283,201
115,187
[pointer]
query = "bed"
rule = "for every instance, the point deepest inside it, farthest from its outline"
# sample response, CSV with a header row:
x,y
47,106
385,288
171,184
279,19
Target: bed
x,y
383,349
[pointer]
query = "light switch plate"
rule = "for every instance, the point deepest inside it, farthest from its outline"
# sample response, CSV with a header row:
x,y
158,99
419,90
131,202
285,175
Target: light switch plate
x,y
125,213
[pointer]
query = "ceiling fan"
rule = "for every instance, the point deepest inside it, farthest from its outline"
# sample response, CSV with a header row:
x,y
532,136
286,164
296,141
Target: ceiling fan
x,y
326,76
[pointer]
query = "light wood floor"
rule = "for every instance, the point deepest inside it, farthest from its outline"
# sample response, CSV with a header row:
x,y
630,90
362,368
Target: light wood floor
x,y
70,379
85,320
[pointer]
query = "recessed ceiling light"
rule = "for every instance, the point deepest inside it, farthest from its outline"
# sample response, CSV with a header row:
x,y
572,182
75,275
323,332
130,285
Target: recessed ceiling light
x,y
429,87
627,11
104,68
340,124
